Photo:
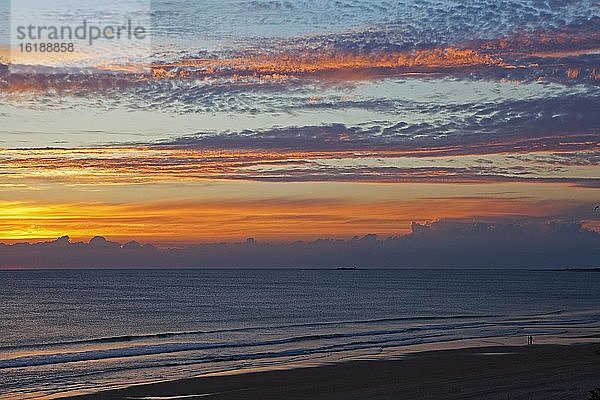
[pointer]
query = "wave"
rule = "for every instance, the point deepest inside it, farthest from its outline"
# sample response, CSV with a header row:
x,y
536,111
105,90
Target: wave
x,y
165,335
272,356
166,348
379,337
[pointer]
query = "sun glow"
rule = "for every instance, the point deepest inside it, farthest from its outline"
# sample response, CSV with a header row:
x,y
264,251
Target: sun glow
x,y
275,219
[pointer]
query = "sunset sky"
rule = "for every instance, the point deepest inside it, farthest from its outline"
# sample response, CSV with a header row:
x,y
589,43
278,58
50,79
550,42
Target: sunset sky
x,y
308,130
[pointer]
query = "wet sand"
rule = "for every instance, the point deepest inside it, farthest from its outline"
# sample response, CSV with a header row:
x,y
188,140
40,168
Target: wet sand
x,y
541,372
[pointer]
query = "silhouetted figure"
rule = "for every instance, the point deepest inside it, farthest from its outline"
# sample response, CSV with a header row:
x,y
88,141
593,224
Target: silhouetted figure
x,y
529,340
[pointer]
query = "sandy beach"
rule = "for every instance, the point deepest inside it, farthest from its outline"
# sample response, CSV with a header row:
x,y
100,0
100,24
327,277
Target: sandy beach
x,y
499,372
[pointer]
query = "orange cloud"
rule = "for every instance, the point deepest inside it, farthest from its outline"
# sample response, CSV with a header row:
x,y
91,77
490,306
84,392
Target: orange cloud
x,y
294,64
143,165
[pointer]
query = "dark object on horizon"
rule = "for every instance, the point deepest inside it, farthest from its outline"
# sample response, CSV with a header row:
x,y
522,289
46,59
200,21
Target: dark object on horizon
x,y
529,340
582,269
594,394
346,268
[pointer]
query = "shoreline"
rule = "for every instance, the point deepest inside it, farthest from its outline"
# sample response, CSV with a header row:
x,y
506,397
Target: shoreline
x,y
540,371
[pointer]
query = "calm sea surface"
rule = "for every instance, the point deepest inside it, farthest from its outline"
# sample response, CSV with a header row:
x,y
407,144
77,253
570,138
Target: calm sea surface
x,y
85,330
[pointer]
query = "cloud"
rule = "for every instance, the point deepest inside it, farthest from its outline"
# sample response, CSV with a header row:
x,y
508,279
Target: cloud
x,y
561,123
547,148
565,52
445,243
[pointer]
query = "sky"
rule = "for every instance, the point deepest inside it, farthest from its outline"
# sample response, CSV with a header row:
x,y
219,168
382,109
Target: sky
x,y
299,121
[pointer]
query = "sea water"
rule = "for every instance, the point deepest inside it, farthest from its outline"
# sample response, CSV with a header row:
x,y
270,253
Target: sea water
x,y
85,330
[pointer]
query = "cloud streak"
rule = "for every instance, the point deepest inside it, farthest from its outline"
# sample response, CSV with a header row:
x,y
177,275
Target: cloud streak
x,y
110,166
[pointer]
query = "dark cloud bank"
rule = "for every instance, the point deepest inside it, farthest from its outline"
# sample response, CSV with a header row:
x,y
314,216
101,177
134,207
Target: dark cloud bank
x,y
440,244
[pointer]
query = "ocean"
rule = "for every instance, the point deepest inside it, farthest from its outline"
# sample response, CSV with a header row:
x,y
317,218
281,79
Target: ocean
x,y
85,330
